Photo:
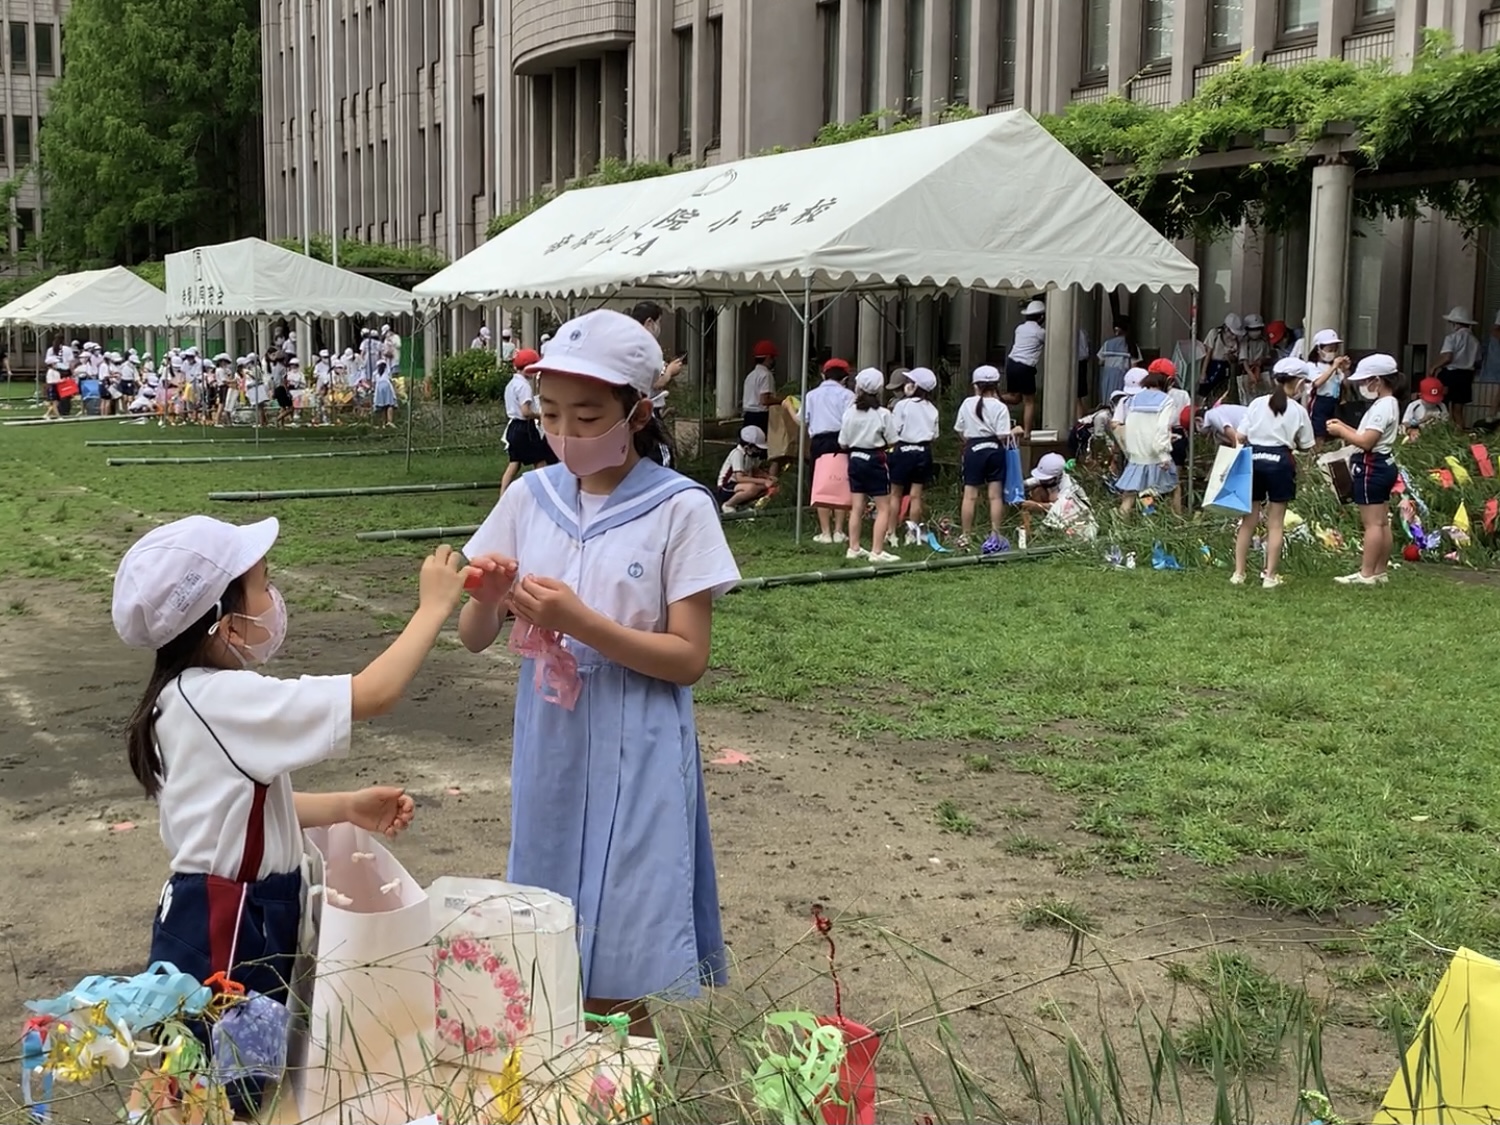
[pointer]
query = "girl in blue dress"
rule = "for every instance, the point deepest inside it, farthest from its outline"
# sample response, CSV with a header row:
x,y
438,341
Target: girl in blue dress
x,y
624,558
385,394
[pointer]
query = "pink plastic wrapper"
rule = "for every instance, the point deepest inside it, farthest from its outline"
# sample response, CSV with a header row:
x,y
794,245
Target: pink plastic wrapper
x,y
557,678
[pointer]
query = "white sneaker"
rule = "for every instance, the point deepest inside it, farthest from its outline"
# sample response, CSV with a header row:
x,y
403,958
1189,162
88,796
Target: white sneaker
x,y
1362,579
840,537
856,553
821,538
913,534
1271,581
1236,579
885,557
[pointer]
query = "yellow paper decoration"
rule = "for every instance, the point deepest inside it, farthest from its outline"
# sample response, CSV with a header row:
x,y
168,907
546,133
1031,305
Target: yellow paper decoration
x,y
506,1108
1460,474
1461,519
1449,1076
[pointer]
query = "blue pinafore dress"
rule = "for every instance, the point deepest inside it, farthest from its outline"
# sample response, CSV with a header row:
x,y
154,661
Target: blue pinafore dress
x,y
608,803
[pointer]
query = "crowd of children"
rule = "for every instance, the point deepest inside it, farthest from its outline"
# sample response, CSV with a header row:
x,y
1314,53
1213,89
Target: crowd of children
x,y
184,386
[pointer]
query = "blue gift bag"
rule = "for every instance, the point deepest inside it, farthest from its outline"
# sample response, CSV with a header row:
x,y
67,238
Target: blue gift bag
x,y
1015,476
1229,483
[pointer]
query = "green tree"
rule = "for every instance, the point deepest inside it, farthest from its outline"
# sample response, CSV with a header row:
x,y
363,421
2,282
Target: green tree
x,y
152,140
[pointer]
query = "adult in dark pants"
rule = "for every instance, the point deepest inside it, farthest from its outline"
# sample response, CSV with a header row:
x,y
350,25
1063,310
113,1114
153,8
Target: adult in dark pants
x,y
1456,362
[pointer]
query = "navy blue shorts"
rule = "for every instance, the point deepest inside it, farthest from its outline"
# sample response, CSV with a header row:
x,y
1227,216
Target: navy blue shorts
x,y
911,464
1459,383
760,419
524,443
1373,476
1322,412
1273,475
1179,447
868,475
984,463
1020,378
824,444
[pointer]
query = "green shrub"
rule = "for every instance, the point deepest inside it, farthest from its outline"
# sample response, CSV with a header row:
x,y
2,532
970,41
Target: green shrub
x,y
476,375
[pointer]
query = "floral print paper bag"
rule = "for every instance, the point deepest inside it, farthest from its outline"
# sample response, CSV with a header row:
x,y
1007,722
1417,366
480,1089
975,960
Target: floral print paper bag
x,y
505,973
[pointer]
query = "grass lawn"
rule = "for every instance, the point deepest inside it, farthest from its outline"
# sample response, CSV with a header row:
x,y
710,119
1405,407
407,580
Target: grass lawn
x,y
1315,749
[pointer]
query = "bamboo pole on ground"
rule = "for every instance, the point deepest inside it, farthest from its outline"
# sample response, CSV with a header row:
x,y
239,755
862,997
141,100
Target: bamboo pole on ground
x,y
331,493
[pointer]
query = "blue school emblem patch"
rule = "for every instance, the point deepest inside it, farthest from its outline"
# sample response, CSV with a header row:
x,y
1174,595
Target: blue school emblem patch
x,y
636,570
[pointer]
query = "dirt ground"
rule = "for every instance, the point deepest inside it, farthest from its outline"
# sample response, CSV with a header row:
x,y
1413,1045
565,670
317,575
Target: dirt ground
x,y
811,817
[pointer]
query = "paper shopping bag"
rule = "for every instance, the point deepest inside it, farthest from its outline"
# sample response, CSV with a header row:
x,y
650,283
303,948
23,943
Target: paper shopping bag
x,y
506,973
372,1011
1229,482
830,483
783,433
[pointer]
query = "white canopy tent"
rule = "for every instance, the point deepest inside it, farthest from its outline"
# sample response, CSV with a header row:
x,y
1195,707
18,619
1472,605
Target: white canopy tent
x,y
114,298
253,278
993,203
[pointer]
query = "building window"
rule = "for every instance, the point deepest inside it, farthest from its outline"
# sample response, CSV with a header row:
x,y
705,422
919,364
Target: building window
x,y
1005,72
685,90
1095,38
716,80
20,48
828,20
1299,17
869,58
45,63
916,53
1226,18
1156,45
25,227
20,128
1376,9
958,68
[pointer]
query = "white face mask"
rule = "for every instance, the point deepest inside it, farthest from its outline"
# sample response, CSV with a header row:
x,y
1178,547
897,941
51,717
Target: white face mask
x,y
1367,390
273,622
1328,354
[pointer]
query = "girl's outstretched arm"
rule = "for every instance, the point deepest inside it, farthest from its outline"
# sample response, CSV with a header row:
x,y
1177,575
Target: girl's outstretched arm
x,y
382,809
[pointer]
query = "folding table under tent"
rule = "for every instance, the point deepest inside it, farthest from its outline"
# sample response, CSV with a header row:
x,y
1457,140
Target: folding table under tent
x,y
993,203
112,298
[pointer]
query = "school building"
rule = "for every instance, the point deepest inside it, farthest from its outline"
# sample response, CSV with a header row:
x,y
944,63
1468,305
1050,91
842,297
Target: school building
x,y
415,122
32,61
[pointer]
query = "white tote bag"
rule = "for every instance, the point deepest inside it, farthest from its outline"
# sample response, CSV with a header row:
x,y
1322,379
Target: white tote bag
x,y
372,1010
507,973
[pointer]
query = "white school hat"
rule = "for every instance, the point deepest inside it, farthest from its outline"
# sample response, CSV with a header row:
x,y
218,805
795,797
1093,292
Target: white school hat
x,y
1254,320
1374,366
1459,315
869,381
177,573
1050,468
1135,379
923,378
504,333
753,435
1291,365
1325,338
1035,308
988,373
608,346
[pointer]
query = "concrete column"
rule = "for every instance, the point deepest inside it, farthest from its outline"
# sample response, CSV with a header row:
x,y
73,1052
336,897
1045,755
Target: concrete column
x,y
1335,20
1189,38
921,343
1124,43
851,26
262,335
1328,246
1059,361
431,349
984,56
693,319
938,35
871,333
614,111
1409,25
727,380
1260,28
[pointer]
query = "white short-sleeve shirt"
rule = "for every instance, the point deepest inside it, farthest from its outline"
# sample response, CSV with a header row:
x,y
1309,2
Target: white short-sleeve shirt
x,y
269,727
1229,415
1419,413
824,407
982,418
1383,415
517,394
758,383
915,420
630,573
1463,346
1292,429
1030,339
866,429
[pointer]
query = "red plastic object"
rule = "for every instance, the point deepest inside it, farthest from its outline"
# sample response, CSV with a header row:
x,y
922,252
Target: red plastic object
x,y
1482,459
1411,553
856,1074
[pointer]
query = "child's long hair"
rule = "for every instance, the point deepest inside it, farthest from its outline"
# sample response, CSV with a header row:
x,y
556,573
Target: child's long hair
x,y
983,391
651,437
1279,395
918,392
866,401
183,652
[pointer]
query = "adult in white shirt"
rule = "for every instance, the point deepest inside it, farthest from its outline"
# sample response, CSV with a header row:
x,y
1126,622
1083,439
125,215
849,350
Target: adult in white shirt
x,y
823,414
760,386
1275,426
1456,362
1025,357
1372,472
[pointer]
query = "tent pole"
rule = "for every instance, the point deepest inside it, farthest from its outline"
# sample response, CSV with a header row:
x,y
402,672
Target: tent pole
x,y
802,429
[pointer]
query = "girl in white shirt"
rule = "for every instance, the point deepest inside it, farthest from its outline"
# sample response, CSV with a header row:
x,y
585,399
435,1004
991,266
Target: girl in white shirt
x,y
866,431
915,420
610,564
823,413
215,742
984,424
1274,426
1371,469
524,445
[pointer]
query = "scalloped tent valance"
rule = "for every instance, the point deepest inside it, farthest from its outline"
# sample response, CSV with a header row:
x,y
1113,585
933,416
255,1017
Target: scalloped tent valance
x,y
991,203
112,298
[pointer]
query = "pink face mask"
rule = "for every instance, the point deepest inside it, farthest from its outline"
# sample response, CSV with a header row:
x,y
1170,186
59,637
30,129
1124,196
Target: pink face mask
x,y
585,456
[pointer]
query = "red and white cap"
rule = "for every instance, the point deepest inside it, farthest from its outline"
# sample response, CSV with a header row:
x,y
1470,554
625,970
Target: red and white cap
x,y
604,345
176,573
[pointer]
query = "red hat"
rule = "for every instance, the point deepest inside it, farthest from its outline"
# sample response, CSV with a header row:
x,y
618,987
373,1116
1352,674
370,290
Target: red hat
x,y
836,364
1432,391
764,350
1163,367
1276,332
1185,419
525,358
